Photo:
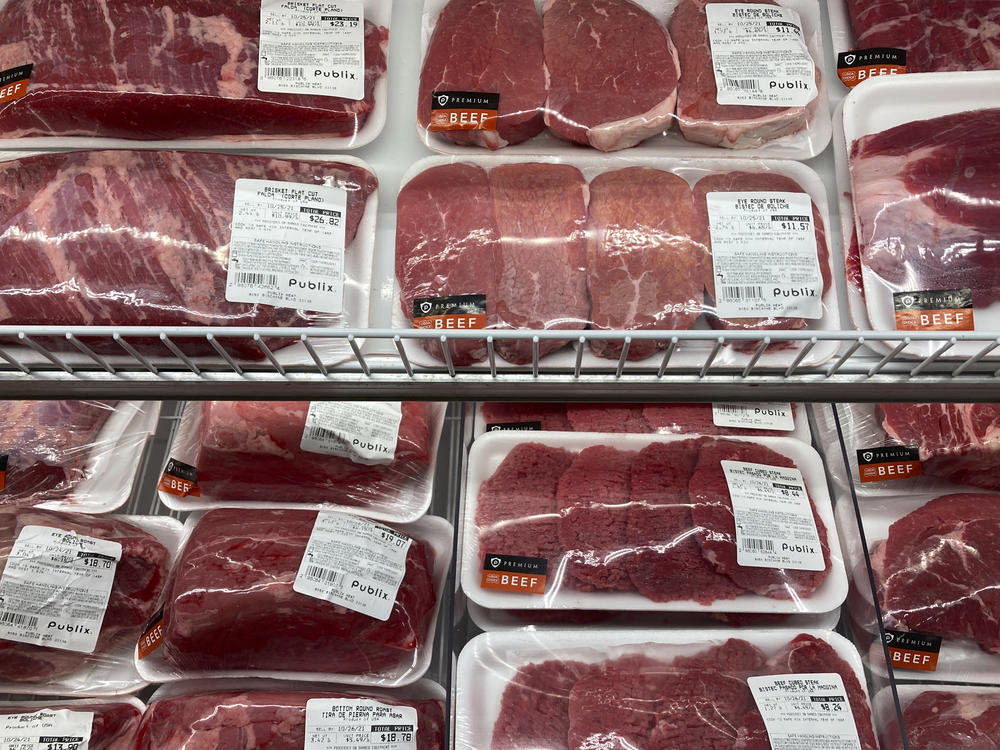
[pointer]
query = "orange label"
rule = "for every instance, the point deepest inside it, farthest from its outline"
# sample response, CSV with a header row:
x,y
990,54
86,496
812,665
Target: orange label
x,y
935,320
463,110
3,472
152,637
14,83
906,658
859,65
523,583
451,322
912,650
180,479
853,76
459,312
889,471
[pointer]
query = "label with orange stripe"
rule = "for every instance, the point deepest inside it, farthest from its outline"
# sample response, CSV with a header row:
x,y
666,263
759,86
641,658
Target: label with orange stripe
x,y
457,313
464,110
912,650
14,83
523,575
180,479
861,64
3,472
886,463
152,636
934,310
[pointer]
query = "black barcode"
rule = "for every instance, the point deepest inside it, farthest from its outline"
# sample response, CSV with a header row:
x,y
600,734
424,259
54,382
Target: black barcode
x,y
758,545
14,618
743,292
256,279
285,72
741,83
326,575
321,433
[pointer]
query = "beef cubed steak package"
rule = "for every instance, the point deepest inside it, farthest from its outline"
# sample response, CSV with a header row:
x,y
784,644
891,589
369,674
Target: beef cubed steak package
x,y
643,523
580,689
199,71
376,458
167,238
293,593
96,723
943,717
75,594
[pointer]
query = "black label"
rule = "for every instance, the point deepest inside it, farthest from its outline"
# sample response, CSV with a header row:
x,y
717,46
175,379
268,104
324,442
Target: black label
x,y
181,470
500,426
48,739
3,463
875,56
465,100
392,728
780,217
515,564
888,454
20,73
459,304
913,641
940,299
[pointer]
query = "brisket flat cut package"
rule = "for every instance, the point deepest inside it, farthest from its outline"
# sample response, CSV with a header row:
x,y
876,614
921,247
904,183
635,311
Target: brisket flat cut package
x,y
657,690
637,244
201,71
97,723
301,595
670,76
376,458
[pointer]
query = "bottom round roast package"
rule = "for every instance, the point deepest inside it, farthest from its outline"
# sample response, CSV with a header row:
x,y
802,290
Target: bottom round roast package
x,y
88,724
374,457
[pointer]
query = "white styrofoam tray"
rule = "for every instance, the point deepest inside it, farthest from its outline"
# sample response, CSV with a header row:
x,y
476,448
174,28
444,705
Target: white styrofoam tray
x,y
489,452
883,703
422,689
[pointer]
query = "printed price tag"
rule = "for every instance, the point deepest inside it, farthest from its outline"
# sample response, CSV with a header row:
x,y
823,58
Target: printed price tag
x,y
46,730
757,415
861,64
523,575
359,724
887,463
805,711
363,431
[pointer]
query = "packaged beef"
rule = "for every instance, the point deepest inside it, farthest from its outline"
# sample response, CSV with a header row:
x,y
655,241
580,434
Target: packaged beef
x,y
374,457
75,593
176,69
579,689
94,723
165,222
939,718
319,596
642,522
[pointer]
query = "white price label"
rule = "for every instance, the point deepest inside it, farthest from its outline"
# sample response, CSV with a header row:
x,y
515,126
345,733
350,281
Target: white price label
x,y
46,730
287,245
364,432
759,55
55,588
775,527
359,724
312,47
805,711
764,255
353,562
757,415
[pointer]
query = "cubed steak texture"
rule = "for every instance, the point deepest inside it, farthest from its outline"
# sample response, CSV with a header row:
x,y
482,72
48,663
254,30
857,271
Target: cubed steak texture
x,y
681,419
549,416
534,708
623,418
113,728
942,719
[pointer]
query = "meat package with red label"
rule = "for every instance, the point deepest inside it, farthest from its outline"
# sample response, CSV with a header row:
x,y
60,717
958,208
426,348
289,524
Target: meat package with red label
x,y
112,725
942,718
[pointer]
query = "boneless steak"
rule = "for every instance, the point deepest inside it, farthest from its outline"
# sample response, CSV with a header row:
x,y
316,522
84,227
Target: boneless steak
x,y
942,719
612,72
548,416
113,726
231,605
534,708
140,576
681,419
623,418
491,47
161,70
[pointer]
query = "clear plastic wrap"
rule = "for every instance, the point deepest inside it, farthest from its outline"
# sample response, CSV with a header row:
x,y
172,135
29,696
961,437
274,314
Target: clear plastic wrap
x,y
474,249
644,688
235,605
263,453
538,78
584,521
272,715
113,723
73,455
164,221
66,606
176,69
940,717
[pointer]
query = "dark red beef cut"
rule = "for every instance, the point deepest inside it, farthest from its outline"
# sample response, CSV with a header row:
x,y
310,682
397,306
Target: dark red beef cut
x,y
941,720
936,34
231,605
130,238
593,503
161,70
612,72
940,567
48,445
623,418
712,511
113,728
259,720
550,416
140,576
694,419
249,450
700,710
702,119
491,47
927,201
648,265
541,261
534,709
446,245
666,562
735,655
960,442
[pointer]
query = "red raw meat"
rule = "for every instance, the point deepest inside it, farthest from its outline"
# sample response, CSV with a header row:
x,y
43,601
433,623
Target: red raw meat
x,y
534,709
625,418
139,578
551,416
694,419
114,724
249,450
231,605
259,720
161,70
735,655
941,720
700,710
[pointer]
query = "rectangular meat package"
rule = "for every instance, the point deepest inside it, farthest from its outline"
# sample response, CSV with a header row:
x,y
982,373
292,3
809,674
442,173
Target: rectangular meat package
x,y
95,723
938,716
372,458
302,595
199,71
170,238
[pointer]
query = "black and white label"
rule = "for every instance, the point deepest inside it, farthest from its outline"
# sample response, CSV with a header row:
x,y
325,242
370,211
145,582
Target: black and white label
x,y
46,730
775,527
353,562
55,588
287,245
759,55
313,47
515,426
764,255
753,415
805,711
359,724
363,431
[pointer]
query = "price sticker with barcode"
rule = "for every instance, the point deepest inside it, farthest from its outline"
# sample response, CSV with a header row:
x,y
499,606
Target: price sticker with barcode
x,y
805,711
47,729
764,258
365,432
353,562
359,724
